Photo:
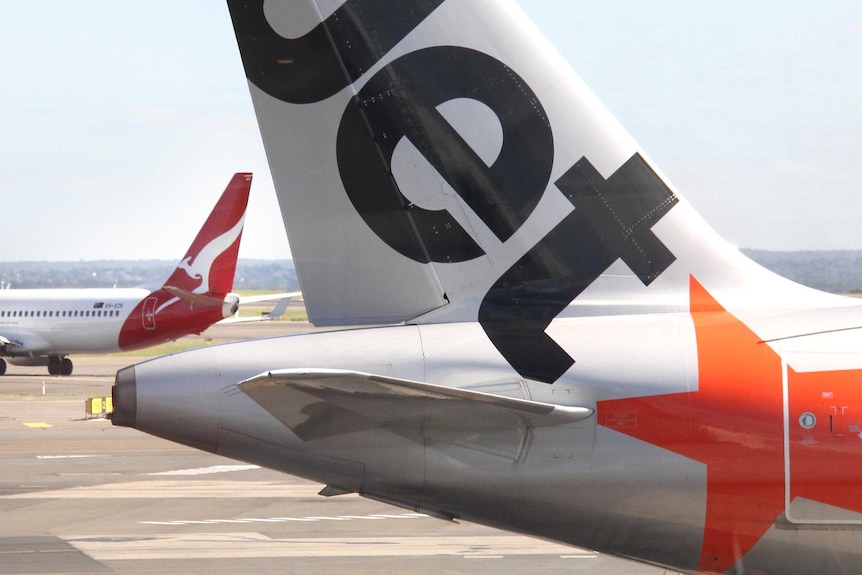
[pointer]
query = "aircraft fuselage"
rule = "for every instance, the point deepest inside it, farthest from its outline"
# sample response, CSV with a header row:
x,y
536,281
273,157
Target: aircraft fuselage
x,y
690,458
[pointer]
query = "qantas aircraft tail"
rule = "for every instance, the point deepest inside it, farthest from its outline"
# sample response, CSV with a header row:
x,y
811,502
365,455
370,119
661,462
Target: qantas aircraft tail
x,y
210,262
196,295
439,161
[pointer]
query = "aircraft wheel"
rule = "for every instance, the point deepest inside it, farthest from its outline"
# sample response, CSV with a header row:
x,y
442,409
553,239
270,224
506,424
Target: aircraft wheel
x,y
55,365
66,366
2,367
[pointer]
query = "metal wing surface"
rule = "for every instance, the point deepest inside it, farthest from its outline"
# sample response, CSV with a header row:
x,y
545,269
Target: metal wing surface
x,y
316,404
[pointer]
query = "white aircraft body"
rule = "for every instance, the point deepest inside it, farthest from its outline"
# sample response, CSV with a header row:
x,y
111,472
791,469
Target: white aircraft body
x,y
573,353
44,326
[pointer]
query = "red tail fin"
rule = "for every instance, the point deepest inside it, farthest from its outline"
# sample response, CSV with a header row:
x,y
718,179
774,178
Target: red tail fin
x,y
210,263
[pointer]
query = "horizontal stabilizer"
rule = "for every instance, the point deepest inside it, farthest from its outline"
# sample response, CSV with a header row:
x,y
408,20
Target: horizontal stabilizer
x,y
808,322
269,297
316,404
195,299
283,300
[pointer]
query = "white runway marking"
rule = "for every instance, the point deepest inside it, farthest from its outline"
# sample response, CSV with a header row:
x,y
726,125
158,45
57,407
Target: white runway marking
x,y
290,519
179,488
256,545
68,456
207,470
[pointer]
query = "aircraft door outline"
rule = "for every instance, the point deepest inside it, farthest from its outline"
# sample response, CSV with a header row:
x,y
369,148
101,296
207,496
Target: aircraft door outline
x,y
822,421
148,313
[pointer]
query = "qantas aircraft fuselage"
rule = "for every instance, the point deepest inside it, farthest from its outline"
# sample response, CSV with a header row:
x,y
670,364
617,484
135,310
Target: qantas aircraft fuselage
x,y
71,321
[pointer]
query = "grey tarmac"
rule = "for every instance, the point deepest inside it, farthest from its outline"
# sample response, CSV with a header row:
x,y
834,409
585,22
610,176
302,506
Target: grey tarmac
x,y
82,496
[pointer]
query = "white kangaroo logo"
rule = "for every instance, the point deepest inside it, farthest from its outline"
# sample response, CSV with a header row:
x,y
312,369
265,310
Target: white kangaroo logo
x,y
197,267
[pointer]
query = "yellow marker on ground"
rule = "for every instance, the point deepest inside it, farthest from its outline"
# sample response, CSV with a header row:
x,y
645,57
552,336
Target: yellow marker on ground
x,y
38,425
98,407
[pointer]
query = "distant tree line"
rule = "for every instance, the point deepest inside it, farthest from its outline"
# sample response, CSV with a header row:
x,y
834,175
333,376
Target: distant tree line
x,y
838,271
251,274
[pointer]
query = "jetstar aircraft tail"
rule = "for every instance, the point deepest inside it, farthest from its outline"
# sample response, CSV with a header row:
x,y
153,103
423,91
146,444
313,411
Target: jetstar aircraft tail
x,y
438,164
431,172
438,161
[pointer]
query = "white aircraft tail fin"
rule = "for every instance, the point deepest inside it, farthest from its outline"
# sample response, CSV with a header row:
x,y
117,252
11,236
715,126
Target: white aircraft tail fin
x,y
439,161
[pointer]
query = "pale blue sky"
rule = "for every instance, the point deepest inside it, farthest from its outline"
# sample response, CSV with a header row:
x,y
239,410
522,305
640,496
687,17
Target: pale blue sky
x,y
122,122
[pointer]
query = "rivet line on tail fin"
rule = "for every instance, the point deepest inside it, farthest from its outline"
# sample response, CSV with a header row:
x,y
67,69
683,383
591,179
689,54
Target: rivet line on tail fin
x,y
612,219
401,102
